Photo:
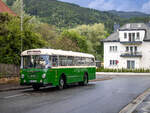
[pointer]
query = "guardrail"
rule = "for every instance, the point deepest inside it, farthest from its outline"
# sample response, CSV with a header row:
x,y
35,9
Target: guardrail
x,y
9,70
131,54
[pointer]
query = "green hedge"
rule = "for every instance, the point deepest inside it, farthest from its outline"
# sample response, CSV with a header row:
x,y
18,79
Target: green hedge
x,y
102,69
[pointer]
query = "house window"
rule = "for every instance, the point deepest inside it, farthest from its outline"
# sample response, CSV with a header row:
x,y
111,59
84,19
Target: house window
x,y
110,62
133,36
135,48
125,35
127,49
131,49
130,64
137,35
110,48
113,62
130,37
113,48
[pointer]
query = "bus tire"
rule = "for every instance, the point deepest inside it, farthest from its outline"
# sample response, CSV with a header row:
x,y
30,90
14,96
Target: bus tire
x,y
61,83
85,80
35,87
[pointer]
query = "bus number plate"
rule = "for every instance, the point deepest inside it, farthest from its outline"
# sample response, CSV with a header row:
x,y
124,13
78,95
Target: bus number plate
x,y
33,81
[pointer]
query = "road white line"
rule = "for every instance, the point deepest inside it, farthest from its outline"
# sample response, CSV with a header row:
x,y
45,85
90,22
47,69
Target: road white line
x,y
12,96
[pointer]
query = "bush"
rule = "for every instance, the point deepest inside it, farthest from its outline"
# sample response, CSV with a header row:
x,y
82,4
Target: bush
x,y
102,69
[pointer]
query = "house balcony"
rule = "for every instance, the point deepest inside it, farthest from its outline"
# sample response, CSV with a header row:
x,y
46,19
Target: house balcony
x,y
131,42
131,54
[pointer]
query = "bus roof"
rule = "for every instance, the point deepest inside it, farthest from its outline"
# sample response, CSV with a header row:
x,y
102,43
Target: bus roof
x,y
54,52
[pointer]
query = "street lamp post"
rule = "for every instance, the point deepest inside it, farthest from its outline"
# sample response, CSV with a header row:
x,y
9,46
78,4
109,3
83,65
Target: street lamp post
x,y
21,25
21,21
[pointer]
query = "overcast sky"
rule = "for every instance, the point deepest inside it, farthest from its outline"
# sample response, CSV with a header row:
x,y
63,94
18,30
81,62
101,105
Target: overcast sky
x,y
119,5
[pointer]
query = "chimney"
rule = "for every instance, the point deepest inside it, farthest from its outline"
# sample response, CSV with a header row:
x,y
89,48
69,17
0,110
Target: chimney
x,y
116,27
148,23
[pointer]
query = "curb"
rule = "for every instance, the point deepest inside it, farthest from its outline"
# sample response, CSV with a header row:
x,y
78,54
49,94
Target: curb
x,y
101,79
133,105
116,73
14,88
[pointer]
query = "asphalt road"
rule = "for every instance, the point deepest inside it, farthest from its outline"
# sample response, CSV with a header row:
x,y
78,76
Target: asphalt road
x,y
108,96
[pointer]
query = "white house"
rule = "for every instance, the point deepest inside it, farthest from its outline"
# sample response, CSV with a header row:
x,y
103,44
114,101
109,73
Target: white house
x,y
128,47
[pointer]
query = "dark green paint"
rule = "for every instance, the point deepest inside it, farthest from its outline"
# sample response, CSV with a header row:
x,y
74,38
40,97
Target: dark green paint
x,y
53,75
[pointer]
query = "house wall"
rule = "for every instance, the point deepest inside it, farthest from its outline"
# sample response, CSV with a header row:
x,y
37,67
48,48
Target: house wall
x,y
140,62
111,55
130,49
121,35
145,60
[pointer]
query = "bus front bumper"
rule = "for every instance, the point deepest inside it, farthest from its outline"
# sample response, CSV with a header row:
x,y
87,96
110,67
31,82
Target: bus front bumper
x,y
39,84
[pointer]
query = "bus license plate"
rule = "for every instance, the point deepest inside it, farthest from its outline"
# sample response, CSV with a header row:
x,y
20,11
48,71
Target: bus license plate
x,y
33,81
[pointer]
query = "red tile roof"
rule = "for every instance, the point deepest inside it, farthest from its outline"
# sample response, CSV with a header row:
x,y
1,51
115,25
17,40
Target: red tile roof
x,y
4,8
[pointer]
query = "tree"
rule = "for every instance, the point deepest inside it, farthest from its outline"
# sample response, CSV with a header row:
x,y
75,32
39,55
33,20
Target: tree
x,y
69,40
48,32
10,38
5,1
94,34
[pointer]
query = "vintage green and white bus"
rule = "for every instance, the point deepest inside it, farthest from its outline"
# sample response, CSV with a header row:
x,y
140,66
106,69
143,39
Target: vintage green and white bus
x,y
42,67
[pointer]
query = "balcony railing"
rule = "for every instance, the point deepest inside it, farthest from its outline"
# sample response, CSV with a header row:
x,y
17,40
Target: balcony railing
x,y
131,42
131,54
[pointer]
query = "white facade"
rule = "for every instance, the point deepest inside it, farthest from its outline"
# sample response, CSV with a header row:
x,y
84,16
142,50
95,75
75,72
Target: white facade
x,y
131,51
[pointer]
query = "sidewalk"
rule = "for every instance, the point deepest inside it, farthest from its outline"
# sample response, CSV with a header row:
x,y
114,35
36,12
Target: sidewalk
x,y
8,87
143,107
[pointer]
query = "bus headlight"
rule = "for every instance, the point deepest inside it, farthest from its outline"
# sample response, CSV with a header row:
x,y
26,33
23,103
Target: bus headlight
x,y
22,76
44,75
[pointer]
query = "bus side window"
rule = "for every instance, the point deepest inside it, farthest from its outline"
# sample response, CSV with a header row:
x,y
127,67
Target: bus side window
x,y
79,61
87,61
54,61
76,61
83,61
62,60
70,61
93,62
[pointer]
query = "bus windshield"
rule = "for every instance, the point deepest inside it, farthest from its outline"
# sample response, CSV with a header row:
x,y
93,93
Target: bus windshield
x,y
35,61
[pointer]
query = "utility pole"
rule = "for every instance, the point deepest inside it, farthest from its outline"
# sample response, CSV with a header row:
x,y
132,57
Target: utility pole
x,y
21,21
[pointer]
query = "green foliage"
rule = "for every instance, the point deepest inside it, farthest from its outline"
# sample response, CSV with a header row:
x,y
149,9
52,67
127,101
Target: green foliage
x,y
85,28
10,38
48,32
5,1
102,69
69,40
65,15
94,34
10,2
128,15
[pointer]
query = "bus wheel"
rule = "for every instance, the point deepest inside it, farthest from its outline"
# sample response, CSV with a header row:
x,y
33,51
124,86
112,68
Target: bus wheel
x,y
61,83
85,80
35,87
